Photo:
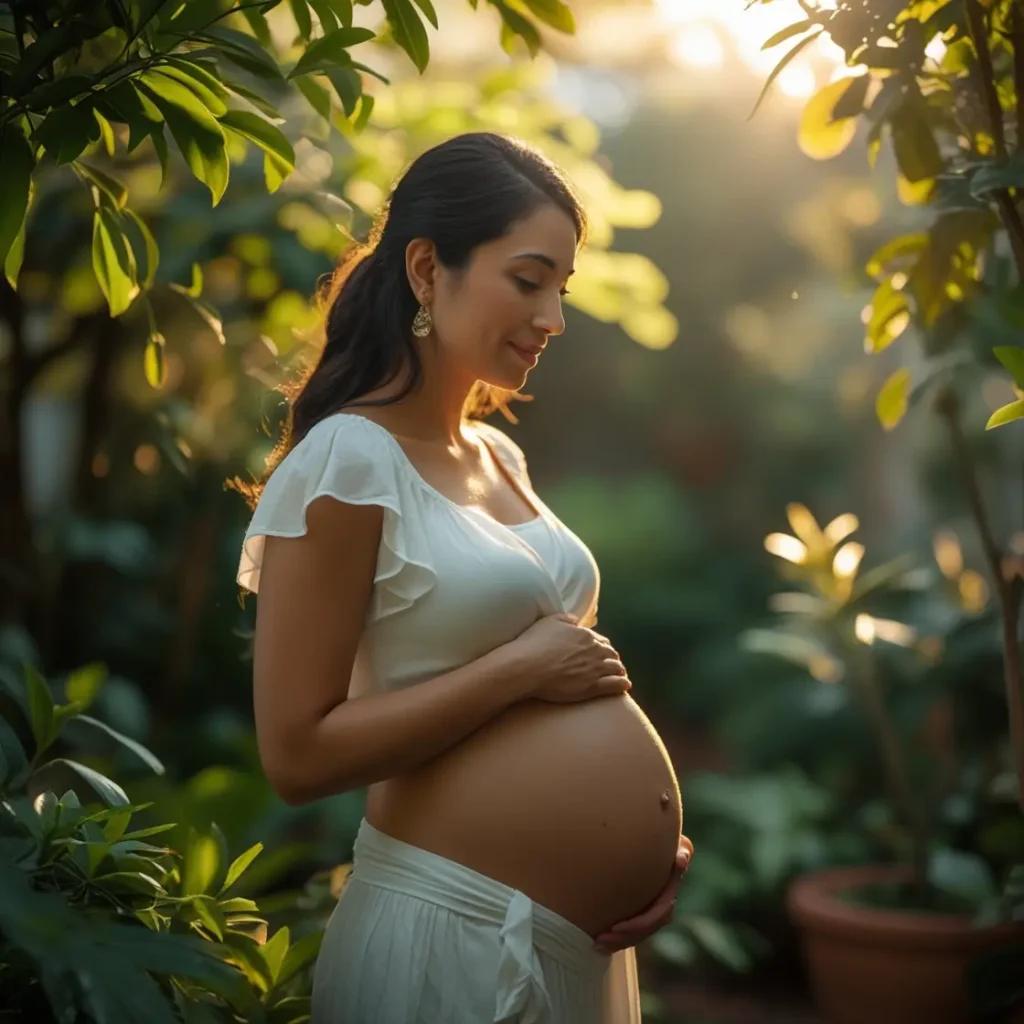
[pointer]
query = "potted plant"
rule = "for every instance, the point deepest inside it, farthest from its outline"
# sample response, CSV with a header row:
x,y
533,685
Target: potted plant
x,y
887,941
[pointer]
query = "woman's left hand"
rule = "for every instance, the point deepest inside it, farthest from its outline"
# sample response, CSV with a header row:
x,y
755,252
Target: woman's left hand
x,y
653,918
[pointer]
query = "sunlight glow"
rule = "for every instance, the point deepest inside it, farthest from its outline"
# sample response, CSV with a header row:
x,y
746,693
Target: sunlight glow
x,y
699,28
798,81
847,560
698,47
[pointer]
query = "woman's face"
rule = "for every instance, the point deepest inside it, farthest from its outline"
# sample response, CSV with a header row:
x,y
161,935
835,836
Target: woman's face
x,y
493,318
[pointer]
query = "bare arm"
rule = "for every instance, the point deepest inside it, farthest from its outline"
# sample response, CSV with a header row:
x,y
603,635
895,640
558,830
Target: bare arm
x,y
314,594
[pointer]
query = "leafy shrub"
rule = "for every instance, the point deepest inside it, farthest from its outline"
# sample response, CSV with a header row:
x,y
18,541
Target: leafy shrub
x,y
99,923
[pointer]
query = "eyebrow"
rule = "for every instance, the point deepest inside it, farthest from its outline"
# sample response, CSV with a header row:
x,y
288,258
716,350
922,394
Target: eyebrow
x,y
540,258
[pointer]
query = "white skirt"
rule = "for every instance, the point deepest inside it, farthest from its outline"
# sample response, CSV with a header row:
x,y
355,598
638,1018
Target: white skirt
x,y
419,939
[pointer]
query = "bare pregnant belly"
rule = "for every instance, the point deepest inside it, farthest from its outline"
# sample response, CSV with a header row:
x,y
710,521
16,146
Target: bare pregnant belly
x,y
575,805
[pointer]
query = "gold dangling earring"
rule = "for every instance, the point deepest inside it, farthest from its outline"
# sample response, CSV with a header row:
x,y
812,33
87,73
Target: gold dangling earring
x,y
422,322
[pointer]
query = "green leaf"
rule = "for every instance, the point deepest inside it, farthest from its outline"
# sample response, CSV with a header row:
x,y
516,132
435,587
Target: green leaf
x,y
111,187
202,861
517,27
243,50
797,28
258,101
917,152
146,756
197,133
116,825
895,249
1007,414
210,915
891,404
58,92
851,103
238,905
238,866
551,12
85,682
15,180
15,255
997,174
781,66
48,45
348,85
152,252
40,704
258,23
365,109
302,953
302,19
199,81
343,9
325,15
408,31
153,364
67,130
113,262
106,132
275,950
316,95
13,757
108,791
331,49
280,156
1012,357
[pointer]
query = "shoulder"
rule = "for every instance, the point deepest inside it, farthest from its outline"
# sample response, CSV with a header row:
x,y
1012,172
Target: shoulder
x,y
509,452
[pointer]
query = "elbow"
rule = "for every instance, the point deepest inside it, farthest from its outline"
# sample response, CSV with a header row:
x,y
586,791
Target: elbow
x,y
300,780
288,778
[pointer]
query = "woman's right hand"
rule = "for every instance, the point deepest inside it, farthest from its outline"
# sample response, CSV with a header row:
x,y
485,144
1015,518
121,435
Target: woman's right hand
x,y
566,663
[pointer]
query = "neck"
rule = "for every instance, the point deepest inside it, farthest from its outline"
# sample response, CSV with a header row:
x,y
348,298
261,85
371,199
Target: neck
x,y
433,412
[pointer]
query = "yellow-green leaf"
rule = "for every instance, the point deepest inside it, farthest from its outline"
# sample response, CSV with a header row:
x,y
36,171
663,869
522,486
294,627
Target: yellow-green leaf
x,y
1007,414
113,262
201,863
279,159
275,950
917,152
40,704
84,683
196,131
15,178
891,404
239,864
890,316
1012,357
408,30
150,248
153,362
822,137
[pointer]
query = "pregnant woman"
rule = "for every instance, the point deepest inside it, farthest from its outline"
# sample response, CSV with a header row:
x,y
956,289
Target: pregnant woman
x,y
425,628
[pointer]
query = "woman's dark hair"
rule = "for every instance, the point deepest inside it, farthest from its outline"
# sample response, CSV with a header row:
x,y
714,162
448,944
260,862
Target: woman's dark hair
x,y
461,194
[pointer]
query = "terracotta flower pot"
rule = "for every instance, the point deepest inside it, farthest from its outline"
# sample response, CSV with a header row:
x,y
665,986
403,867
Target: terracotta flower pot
x,y
873,966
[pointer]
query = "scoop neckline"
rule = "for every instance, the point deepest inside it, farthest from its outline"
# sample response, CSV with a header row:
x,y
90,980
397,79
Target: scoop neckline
x,y
540,518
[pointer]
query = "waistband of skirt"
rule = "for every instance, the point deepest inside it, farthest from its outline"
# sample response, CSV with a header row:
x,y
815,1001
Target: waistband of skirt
x,y
383,861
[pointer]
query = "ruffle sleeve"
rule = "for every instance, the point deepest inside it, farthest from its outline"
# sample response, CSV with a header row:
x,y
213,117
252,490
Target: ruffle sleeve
x,y
353,461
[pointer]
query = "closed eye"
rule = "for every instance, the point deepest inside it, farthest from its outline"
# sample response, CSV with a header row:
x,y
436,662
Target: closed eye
x,y
530,286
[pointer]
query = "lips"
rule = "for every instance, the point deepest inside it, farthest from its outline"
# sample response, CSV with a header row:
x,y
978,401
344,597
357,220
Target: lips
x,y
529,353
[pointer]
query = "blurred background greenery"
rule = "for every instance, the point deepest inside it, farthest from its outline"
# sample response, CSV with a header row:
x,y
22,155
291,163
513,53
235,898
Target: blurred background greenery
x,y
712,375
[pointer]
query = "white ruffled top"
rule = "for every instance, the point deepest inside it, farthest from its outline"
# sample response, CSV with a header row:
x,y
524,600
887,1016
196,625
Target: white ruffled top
x,y
451,582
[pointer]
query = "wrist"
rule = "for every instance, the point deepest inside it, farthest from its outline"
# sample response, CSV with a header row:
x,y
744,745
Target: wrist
x,y
516,678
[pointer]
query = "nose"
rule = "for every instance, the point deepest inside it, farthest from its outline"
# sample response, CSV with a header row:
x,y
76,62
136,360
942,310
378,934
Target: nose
x,y
549,318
